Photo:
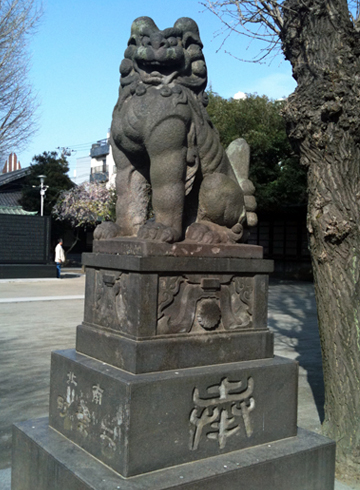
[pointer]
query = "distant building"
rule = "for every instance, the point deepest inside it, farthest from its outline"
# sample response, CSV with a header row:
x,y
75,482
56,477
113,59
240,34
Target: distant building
x,y
82,172
99,166
11,164
102,162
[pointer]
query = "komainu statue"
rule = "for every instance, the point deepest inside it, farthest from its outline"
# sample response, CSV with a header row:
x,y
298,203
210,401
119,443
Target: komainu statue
x,y
167,153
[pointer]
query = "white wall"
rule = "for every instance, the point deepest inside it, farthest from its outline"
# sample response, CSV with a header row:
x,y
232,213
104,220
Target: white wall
x,y
82,172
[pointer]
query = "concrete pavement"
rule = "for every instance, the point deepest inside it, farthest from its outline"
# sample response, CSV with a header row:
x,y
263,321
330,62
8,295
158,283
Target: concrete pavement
x,y
293,318
38,316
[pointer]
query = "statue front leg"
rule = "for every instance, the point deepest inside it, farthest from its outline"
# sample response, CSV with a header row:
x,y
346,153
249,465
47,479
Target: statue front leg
x,y
133,196
167,150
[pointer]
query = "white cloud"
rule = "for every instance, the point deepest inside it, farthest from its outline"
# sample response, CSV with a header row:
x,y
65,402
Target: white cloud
x,y
277,86
240,96
274,86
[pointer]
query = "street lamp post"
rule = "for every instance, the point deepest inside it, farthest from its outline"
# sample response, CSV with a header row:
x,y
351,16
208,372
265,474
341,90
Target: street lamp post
x,y
43,189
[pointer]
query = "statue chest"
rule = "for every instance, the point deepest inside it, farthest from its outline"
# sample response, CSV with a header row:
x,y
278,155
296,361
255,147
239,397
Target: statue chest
x,y
141,114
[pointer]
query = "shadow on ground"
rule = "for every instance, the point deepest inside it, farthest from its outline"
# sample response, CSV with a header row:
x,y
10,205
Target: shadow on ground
x,y
293,318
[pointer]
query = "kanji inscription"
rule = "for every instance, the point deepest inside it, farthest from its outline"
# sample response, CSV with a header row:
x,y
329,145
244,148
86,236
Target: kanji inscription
x,y
224,414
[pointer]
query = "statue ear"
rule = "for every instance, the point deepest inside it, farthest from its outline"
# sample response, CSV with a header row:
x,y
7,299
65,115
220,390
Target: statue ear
x,y
143,26
189,30
185,24
191,38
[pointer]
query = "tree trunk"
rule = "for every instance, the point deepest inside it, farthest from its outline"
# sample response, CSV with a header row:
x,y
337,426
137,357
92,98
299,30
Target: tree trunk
x,y
323,121
76,239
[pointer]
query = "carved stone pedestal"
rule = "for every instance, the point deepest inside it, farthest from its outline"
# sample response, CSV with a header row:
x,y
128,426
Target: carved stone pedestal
x,y
173,383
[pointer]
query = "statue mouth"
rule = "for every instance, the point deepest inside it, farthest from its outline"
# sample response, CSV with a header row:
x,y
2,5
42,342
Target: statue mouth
x,y
156,69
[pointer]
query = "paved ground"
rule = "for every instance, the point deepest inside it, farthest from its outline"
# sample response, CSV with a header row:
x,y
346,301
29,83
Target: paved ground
x,y
38,316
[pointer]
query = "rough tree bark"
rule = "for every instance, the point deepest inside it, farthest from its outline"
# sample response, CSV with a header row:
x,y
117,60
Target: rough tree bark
x,y
323,47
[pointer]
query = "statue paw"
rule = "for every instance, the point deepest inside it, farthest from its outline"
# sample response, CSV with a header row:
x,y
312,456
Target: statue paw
x,y
158,232
106,230
201,233
211,233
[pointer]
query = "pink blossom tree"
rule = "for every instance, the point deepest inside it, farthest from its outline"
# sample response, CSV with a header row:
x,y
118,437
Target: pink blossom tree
x,y
85,206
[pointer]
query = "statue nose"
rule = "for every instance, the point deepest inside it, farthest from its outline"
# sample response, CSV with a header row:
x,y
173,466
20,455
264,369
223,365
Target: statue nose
x,y
158,41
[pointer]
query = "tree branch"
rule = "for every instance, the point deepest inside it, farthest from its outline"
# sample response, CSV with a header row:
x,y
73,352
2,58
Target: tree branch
x,y
18,22
257,19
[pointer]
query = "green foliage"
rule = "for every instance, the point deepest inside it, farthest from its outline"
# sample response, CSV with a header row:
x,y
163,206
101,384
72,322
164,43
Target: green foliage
x,y
274,168
55,167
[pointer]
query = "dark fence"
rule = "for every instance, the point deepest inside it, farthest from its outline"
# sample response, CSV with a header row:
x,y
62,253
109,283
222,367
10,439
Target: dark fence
x,y
284,237
24,239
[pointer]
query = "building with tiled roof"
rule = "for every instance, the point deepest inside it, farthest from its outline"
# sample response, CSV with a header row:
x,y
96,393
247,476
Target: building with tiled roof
x,y
10,190
25,238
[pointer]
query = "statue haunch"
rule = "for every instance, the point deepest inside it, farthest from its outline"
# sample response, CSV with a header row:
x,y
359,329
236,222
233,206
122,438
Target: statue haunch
x,y
166,150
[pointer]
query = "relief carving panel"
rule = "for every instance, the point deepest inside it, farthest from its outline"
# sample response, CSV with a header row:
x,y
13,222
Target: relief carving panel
x,y
111,298
194,303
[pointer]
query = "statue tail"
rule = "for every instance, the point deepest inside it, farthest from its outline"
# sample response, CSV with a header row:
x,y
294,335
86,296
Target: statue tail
x,y
238,153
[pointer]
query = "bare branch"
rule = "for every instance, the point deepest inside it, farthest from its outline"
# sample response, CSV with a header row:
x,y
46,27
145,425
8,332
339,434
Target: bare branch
x,y
18,22
354,10
257,19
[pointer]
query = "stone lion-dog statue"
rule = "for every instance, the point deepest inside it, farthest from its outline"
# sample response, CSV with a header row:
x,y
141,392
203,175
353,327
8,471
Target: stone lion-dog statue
x,y
163,140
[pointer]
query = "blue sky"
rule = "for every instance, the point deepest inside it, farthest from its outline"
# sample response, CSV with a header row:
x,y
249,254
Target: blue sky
x,y
76,55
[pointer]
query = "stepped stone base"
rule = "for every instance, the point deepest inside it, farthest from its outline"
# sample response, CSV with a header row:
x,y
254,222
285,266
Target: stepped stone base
x,y
169,353
173,383
145,422
153,313
45,460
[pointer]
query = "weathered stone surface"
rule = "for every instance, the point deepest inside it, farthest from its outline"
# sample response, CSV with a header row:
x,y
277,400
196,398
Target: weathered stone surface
x,y
162,354
149,305
239,149
146,248
196,314
163,140
142,296
177,264
44,460
141,423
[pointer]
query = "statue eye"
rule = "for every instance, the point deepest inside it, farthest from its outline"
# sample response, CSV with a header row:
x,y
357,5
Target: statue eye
x,y
172,41
132,42
145,41
189,39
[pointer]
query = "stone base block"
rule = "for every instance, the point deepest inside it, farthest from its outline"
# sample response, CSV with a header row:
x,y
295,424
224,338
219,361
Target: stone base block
x,y
148,312
145,422
45,460
145,248
173,352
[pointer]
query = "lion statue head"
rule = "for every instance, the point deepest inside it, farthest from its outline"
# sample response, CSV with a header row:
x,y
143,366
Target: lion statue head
x,y
156,57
